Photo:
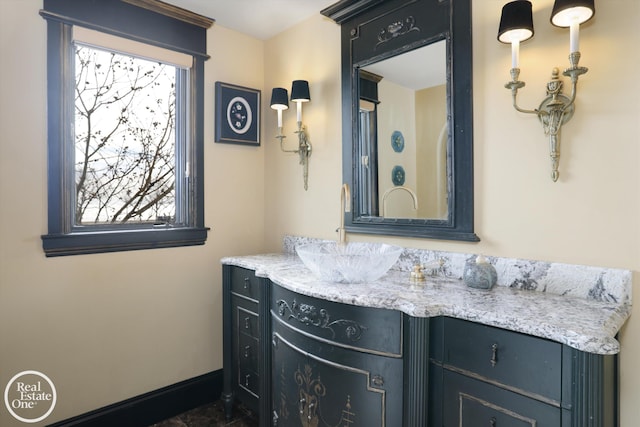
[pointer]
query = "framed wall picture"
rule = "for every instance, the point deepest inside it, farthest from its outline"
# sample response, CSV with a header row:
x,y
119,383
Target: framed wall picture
x,y
237,115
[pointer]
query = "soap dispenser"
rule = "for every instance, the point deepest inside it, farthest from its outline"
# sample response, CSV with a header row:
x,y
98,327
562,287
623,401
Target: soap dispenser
x,y
479,273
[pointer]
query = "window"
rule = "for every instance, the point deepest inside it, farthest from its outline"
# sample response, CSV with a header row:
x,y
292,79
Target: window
x,y
125,127
131,161
125,139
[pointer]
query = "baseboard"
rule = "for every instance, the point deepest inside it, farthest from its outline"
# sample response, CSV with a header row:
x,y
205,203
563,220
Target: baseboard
x,y
152,407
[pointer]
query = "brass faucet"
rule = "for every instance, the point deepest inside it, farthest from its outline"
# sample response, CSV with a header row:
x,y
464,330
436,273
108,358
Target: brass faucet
x,y
345,206
392,189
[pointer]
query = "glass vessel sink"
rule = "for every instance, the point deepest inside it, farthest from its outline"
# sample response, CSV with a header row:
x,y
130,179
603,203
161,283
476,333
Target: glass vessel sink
x,y
348,262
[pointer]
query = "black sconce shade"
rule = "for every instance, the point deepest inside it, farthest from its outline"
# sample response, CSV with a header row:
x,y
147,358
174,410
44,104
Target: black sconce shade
x,y
279,98
516,22
300,91
567,11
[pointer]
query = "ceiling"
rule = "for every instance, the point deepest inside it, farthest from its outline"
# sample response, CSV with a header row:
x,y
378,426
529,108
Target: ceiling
x,y
261,19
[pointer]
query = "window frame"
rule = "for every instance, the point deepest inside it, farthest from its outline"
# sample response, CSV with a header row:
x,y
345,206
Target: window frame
x,y
157,24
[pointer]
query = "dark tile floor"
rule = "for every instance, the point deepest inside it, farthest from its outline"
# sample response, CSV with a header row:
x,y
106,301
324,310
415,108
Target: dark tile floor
x,y
211,415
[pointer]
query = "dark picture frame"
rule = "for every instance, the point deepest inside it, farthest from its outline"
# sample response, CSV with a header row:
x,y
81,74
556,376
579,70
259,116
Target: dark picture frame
x,y
237,114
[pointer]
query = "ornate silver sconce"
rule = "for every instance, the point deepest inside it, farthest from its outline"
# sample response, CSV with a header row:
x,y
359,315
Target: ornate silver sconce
x,y
556,109
280,102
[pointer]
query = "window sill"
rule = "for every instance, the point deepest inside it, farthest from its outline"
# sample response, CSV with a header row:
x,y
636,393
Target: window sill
x,y
116,241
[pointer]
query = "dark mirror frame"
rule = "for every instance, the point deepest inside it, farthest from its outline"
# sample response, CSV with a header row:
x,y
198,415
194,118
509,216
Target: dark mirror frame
x,y
373,30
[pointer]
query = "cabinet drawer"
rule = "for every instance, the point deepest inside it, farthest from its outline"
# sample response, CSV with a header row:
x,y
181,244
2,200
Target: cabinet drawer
x,y
245,283
249,380
248,353
372,330
247,321
508,358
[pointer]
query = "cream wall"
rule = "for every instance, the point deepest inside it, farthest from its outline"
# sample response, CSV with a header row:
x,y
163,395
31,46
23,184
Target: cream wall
x,y
111,326
590,216
431,130
309,51
108,327
396,112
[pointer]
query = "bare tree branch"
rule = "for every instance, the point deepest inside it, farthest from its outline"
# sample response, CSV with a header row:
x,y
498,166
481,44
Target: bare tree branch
x,y
125,138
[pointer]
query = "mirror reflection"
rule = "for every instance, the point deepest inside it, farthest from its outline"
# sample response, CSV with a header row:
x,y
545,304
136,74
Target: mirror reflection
x,y
404,134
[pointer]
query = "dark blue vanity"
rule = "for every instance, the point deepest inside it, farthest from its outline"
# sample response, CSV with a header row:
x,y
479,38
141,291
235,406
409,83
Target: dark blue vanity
x,y
302,352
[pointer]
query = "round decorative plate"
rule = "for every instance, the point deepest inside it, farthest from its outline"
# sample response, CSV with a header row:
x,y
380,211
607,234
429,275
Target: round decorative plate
x,y
397,141
239,115
397,175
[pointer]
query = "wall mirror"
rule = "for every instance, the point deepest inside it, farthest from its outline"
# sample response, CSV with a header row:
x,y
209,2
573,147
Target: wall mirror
x,y
407,116
405,128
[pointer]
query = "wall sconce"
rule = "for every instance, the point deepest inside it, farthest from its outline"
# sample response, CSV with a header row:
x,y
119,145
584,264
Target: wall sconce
x,y
279,102
516,25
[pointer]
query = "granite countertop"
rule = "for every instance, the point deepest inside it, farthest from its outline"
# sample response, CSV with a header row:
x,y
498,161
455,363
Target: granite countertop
x,y
586,324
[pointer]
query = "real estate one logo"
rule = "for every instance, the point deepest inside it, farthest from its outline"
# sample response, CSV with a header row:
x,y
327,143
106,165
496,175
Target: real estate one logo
x,y
30,396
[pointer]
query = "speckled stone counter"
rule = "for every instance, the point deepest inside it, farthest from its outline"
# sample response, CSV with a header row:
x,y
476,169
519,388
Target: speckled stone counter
x,y
581,306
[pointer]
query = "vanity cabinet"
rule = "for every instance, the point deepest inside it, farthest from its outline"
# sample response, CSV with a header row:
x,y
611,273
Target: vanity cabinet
x,y
299,361
246,361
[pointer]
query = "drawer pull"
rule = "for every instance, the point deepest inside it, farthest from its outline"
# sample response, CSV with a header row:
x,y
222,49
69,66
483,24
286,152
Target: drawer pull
x,y
494,355
247,350
301,405
274,341
492,421
247,323
247,283
246,380
377,381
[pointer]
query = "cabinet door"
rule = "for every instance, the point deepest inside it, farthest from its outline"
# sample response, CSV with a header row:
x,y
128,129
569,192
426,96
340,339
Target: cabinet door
x,y
472,403
310,391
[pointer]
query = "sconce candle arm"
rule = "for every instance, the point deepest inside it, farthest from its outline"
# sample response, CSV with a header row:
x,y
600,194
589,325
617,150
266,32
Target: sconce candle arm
x,y
574,90
574,72
281,137
514,85
514,94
